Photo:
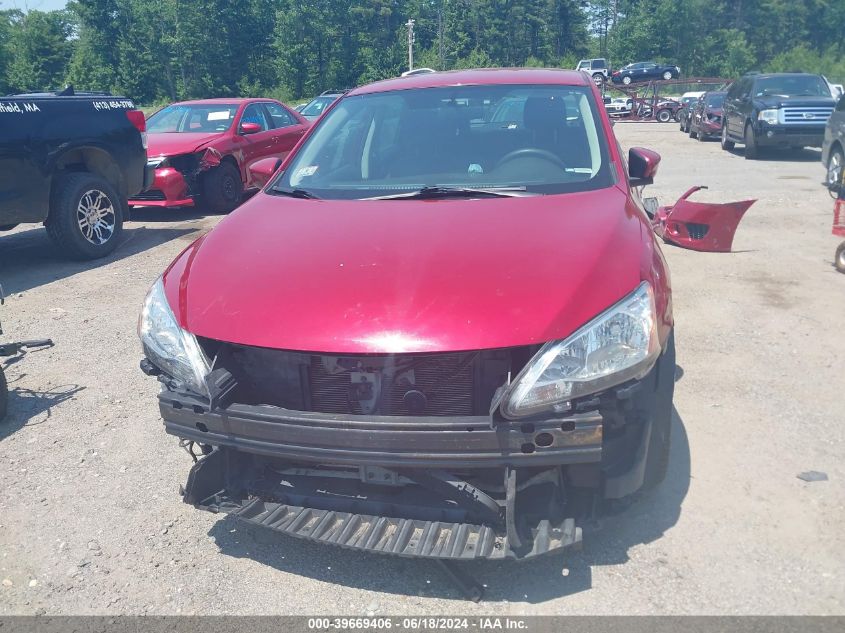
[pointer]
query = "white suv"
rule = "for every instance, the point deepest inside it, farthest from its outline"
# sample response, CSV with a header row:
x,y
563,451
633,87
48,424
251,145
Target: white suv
x,y
596,68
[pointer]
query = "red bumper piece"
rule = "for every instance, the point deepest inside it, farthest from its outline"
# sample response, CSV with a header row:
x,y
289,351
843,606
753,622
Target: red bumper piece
x,y
700,226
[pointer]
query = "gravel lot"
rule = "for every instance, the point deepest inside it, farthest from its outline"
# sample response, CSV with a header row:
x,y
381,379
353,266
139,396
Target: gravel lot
x,y
91,521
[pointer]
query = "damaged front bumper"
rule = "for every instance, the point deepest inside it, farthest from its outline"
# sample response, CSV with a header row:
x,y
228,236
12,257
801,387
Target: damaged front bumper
x,y
168,189
445,487
176,179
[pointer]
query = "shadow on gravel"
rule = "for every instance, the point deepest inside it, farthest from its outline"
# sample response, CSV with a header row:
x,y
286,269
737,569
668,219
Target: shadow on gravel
x,y
29,259
533,581
805,155
25,404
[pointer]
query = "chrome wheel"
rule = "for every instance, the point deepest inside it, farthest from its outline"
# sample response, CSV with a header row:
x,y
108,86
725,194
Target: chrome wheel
x,y
96,217
834,168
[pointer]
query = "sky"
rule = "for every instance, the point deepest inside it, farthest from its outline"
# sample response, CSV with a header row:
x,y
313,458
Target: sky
x,y
41,5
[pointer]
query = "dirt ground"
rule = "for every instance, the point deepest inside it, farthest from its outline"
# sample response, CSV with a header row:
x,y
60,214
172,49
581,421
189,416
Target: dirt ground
x,y
91,521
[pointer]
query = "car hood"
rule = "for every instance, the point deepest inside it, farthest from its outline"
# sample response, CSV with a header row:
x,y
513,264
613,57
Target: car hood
x,y
409,276
780,101
175,143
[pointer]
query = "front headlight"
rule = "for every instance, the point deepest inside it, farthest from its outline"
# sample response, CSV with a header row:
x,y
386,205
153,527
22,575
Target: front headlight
x,y
618,345
768,116
167,346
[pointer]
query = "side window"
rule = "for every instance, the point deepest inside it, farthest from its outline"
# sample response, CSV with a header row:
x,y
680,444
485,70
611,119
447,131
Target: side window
x,y
840,107
254,113
583,65
599,63
279,116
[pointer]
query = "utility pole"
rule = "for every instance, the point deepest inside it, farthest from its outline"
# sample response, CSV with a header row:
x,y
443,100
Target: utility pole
x,y
440,36
410,25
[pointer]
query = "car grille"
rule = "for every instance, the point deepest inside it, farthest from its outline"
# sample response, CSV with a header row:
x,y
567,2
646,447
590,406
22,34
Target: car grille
x,y
436,384
814,115
149,196
445,380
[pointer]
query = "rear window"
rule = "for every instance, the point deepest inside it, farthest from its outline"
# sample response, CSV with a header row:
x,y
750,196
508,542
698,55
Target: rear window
x,y
715,101
547,139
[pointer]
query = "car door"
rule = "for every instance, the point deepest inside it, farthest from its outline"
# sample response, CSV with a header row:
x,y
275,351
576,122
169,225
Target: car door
x,y
649,71
258,145
287,129
732,107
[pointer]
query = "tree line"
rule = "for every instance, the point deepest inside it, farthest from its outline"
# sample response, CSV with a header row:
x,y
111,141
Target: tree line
x,y
160,50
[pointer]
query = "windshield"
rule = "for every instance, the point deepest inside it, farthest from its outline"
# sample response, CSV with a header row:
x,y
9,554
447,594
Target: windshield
x,y
545,139
316,107
193,118
792,86
715,101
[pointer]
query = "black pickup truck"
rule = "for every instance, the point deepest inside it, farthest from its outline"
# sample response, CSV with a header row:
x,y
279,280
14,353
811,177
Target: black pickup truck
x,y
71,160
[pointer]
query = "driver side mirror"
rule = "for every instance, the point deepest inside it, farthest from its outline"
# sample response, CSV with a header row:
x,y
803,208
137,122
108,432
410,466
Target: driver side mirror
x,y
261,171
250,128
642,166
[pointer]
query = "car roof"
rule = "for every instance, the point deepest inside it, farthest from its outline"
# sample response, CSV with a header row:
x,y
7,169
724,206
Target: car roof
x,y
221,100
767,75
479,77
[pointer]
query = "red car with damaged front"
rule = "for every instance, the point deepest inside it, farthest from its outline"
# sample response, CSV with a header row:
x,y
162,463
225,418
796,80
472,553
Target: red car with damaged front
x,y
203,149
434,332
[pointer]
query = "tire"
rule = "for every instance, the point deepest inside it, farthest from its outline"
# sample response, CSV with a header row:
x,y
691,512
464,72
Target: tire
x,y
838,261
626,80
726,143
835,167
667,75
660,441
664,115
4,395
86,215
222,188
700,135
598,79
751,149
690,131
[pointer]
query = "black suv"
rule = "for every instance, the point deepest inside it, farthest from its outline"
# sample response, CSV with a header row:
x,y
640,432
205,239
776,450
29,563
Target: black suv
x,y
776,110
71,160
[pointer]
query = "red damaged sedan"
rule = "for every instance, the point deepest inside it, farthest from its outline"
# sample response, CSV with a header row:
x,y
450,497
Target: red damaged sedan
x,y
434,333
203,149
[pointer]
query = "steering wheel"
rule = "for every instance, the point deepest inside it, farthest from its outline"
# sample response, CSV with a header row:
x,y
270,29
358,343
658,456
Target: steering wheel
x,y
531,152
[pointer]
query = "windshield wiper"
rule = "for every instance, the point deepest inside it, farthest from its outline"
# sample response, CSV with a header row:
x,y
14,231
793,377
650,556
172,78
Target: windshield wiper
x,y
457,192
294,193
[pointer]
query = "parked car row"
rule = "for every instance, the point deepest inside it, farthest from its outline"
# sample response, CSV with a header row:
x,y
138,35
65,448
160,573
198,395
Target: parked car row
x,y
771,110
635,72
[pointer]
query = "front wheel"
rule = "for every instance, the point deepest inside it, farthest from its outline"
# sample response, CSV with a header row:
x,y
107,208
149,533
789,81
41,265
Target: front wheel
x,y
86,215
667,75
664,116
751,149
838,261
660,440
727,144
222,188
626,80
